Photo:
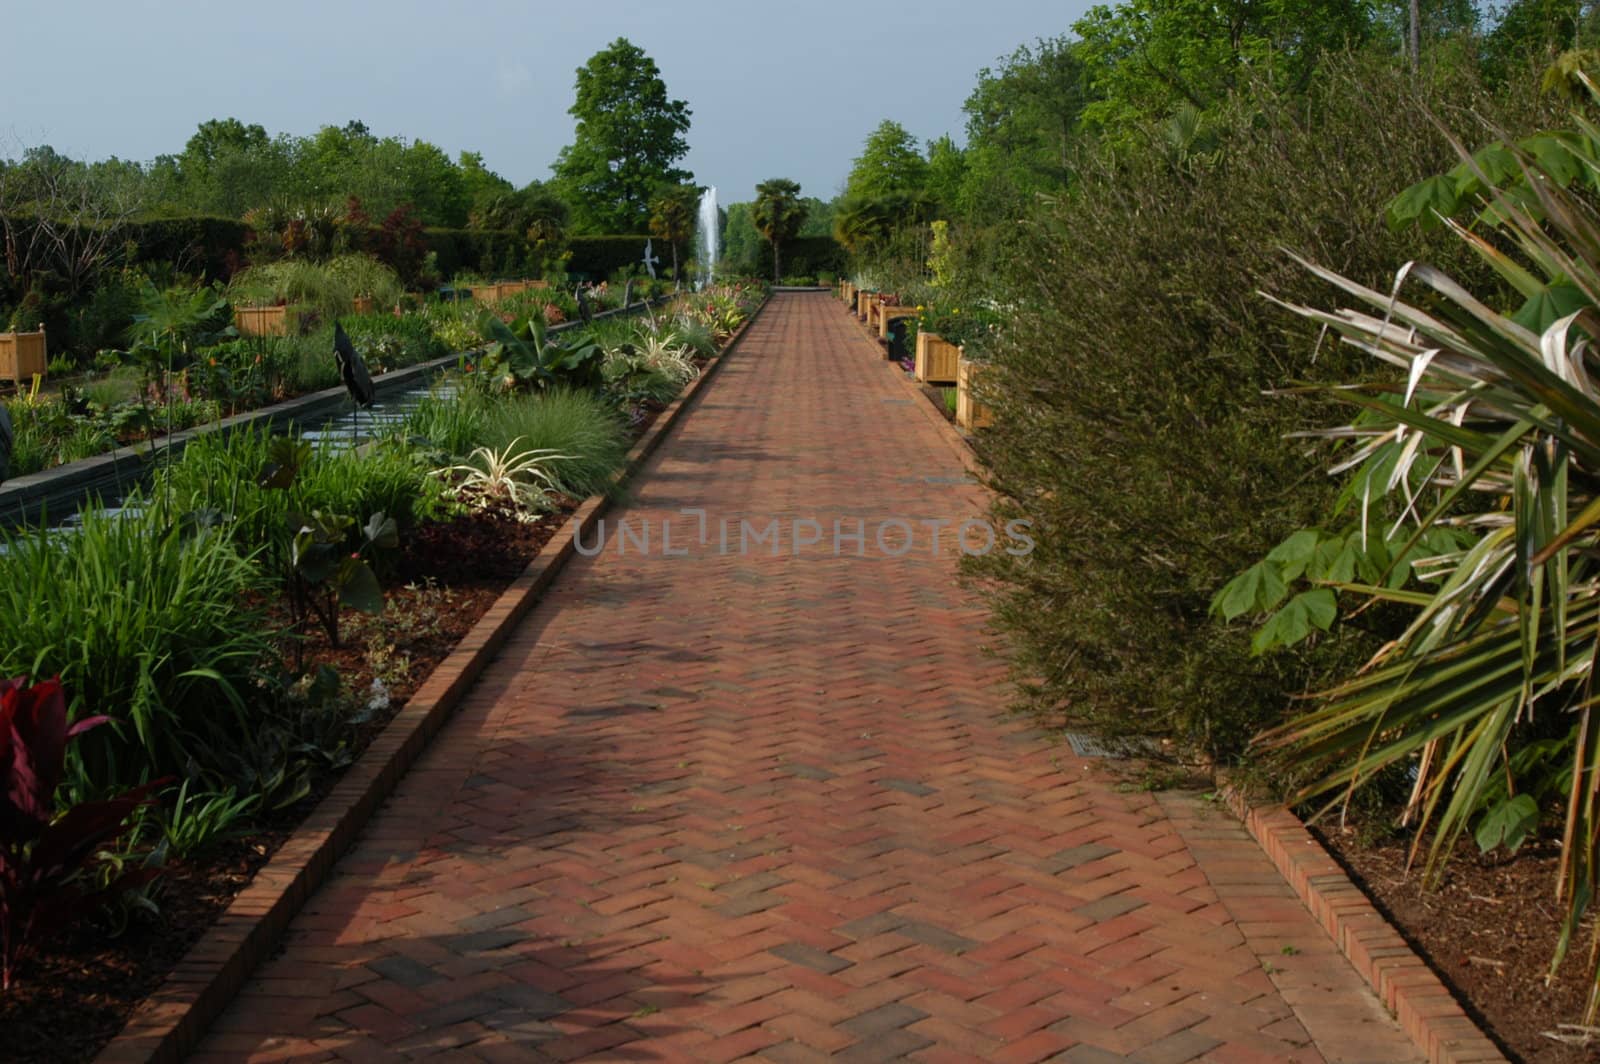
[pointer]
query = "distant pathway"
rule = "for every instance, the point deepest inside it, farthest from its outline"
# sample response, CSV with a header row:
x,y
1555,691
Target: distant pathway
x,y
731,805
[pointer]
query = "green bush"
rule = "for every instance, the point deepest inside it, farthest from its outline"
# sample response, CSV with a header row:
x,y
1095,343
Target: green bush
x,y
576,424
1128,387
143,623
594,258
325,289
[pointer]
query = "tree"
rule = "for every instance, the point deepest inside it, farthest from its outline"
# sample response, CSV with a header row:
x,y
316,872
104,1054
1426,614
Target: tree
x,y
60,219
1148,56
947,173
778,214
628,138
889,164
1022,121
672,217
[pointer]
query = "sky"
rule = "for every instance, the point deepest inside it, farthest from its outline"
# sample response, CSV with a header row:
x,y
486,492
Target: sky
x,y
776,90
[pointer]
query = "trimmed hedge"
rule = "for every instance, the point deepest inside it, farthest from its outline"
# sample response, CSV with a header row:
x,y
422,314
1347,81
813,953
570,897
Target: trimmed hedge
x,y
597,257
807,256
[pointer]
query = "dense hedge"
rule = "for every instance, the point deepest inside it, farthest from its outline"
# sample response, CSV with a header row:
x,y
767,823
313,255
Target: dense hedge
x,y
803,256
1134,426
597,257
198,244
489,251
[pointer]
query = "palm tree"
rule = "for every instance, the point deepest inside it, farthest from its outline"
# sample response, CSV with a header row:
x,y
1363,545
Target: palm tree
x,y
778,215
672,217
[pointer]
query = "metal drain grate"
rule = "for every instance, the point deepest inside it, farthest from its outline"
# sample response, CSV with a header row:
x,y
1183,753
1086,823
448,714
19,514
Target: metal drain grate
x,y
1090,746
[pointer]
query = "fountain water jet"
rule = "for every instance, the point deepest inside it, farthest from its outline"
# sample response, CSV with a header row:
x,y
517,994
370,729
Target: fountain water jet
x,y
708,237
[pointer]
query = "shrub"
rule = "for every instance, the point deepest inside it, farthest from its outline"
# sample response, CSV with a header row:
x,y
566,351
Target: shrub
x,y
1132,427
324,289
565,422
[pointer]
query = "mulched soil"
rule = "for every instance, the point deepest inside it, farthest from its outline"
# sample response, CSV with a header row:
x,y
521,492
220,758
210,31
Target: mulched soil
x,y
79,988
1489,931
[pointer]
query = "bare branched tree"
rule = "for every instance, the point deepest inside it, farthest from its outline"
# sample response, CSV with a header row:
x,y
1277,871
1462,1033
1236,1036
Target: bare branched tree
x,y
61,216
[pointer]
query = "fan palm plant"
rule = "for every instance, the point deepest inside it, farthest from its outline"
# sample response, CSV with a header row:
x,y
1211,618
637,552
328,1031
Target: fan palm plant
x,y
1491,430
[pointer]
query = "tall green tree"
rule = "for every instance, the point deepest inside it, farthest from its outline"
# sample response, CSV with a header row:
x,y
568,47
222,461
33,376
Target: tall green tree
x,y
947,172
628,140
889,163
672,217
778,214
1022,123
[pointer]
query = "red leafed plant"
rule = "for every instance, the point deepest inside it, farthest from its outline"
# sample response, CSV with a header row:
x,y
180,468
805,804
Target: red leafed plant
x,y
44,858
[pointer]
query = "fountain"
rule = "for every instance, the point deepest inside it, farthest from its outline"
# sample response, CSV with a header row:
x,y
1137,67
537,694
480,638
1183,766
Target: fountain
x,y
708,237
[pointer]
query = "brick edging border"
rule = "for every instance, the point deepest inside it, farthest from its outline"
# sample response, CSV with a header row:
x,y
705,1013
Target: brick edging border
x,y
1408,988
1402,980
170,1022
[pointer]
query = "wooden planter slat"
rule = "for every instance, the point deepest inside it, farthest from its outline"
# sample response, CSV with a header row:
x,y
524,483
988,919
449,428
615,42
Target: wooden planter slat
x,y
261,321
938,360
888,314
363,304
23,356
970,414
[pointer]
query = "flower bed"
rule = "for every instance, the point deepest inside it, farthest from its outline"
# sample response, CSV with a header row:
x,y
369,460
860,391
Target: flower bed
x,y
447,572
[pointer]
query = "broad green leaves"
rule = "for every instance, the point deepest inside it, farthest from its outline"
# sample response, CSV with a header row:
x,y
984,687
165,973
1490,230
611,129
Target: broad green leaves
x,y
1321,563
1307,612
1508,824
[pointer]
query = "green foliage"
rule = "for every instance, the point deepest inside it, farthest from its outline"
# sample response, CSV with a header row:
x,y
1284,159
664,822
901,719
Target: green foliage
x,y
451,421
1492,439
1144,57
389,343
560,421
221,472
1022,125
889,165
325,289
139,615
1132,424
673,215
597,257
778,213
629,137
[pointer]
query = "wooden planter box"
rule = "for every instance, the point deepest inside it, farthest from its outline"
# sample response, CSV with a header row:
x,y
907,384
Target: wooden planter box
x,y
363,304
938,360
864,304
970,414
261,321
23,356
888,314
486,293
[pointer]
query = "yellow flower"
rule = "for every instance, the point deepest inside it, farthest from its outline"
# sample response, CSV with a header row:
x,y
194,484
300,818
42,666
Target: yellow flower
x,y
921,308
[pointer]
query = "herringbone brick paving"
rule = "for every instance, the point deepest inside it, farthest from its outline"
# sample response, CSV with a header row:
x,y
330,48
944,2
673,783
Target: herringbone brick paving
x,y
720,804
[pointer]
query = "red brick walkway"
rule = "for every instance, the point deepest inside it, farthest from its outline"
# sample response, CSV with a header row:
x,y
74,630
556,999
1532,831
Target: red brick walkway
x,y
725,805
